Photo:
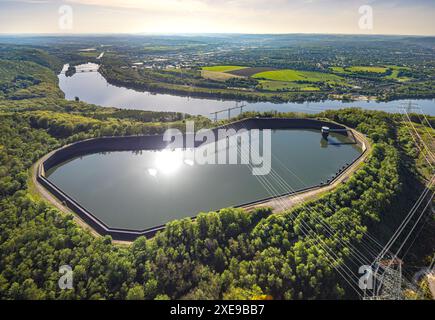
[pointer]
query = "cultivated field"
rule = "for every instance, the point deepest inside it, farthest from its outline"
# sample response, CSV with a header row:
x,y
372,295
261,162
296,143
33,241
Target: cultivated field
x,y
390,72
367,69
289,80
271,79
217,76
395,73
223,68
289,75
249,72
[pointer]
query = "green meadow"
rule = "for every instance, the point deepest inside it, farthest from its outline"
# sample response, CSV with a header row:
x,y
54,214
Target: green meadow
x,y
290,75
395,71
372,69
297,80
223,68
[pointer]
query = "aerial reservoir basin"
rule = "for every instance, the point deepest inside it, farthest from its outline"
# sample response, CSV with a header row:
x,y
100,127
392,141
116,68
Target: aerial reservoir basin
x,y
142,189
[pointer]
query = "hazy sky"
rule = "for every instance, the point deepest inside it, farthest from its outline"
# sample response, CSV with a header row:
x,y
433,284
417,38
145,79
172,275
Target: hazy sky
x,y
215,16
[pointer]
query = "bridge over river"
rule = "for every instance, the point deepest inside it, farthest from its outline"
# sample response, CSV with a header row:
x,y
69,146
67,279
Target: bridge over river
x,y
81,70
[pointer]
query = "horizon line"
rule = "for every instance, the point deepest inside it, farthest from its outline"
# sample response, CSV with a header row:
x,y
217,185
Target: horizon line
x,y
204,33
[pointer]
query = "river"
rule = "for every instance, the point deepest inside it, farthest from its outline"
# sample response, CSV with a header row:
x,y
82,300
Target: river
x,y
92,87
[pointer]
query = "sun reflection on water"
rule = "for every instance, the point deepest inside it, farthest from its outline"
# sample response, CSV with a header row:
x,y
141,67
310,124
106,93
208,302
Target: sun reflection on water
x,y
168,162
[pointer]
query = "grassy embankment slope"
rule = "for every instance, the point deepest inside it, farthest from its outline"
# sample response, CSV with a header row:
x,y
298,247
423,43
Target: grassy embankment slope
x,y
219,73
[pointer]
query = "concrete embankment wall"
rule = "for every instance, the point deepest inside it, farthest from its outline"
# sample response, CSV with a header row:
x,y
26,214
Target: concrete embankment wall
x,y
155,142
151,142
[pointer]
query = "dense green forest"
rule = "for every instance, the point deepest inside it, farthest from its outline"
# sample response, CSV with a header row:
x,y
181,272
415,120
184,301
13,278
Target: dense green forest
x,y
230,254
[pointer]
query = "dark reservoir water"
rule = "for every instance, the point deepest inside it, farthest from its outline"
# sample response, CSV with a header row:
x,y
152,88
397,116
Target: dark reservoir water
x,y
92,87
142,190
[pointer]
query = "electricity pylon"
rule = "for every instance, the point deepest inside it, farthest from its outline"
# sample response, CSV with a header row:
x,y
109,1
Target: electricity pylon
x,y
389,280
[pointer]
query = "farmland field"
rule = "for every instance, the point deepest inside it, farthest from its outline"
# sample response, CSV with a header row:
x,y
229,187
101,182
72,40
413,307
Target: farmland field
x,y
289,75
217,76
223,68
249,72
367,69
395,71
338,70
271,79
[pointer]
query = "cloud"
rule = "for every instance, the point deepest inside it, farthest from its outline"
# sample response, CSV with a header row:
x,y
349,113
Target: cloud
x,y
244,16
30,1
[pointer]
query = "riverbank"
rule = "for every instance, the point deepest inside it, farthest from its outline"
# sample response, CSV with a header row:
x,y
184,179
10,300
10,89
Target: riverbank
x,y
157,81
213,93
93,88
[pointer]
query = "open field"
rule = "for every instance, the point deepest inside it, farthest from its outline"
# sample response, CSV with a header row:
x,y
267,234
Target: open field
x,y
355,70
395,76
217,76
359,69
372,69
338,70
395,73
273,80
249,72
280,81
223,68
289,75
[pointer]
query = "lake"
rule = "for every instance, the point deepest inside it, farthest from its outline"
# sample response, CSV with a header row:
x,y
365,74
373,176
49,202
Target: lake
x,y
139,190
92,87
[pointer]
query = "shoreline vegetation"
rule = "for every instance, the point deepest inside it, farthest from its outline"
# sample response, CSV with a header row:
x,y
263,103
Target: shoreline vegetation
x,y
270,84
134,82
202,92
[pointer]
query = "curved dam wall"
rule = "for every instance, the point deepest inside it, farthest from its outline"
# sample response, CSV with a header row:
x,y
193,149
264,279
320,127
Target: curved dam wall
x,y
152,142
